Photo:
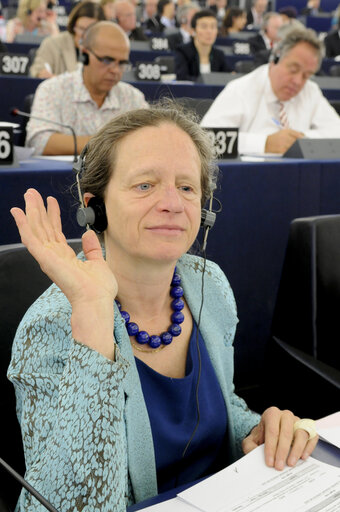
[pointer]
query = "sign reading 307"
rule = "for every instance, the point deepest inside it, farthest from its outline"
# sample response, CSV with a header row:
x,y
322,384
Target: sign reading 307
x,y
225,142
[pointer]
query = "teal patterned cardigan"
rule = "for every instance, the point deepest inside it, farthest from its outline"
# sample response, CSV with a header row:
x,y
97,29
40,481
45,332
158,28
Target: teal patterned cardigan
x,y
86,432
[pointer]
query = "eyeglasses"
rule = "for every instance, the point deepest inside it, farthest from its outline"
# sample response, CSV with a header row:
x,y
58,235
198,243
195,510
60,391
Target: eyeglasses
x,y
124,65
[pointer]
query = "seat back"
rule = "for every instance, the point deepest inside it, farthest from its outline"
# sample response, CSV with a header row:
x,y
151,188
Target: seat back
x,y
334,70
21,283
308,300
199,105
302,362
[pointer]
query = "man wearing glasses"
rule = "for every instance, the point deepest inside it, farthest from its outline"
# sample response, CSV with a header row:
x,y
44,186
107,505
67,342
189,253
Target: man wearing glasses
x,y
87,98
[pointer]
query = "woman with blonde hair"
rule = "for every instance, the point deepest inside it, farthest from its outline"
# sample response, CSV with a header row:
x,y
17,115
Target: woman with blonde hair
x,y
31,19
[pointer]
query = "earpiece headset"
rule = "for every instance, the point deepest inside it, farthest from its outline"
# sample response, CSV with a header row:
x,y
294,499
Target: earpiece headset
x,y
84,58
94,214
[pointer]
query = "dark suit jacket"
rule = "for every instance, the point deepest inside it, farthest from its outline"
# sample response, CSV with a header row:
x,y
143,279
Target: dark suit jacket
x,y
332,44
154,25
257,44
188,65
137,34
175,40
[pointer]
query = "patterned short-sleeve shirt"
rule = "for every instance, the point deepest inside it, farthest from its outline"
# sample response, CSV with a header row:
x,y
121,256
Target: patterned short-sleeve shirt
x,y
66,100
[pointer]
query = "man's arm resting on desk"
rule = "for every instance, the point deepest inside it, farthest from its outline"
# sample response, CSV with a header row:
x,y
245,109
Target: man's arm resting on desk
x,y
63,144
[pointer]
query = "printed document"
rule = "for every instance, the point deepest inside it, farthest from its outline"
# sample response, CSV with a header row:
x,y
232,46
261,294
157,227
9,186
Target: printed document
x,y
249,485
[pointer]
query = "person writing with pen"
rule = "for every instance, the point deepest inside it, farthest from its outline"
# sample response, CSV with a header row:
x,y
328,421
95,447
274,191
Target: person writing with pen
x,y
123,368
277,103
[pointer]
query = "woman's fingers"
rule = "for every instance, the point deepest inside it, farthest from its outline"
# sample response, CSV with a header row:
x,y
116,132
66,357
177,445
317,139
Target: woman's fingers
x,y
53,213
278,437
302,447
37,216
91,246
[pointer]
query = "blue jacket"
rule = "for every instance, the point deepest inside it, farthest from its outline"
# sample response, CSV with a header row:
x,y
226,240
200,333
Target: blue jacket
x,y
86,433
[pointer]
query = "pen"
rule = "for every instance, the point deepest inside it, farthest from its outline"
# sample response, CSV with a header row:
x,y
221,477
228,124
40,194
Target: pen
x,y
48,67
277,122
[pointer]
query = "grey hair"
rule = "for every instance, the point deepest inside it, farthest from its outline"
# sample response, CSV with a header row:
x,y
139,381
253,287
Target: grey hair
x,y
183,10
296,36
267,17
102,149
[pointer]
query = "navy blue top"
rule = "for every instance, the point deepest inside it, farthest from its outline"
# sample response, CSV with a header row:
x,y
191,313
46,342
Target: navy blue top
x,y
171,405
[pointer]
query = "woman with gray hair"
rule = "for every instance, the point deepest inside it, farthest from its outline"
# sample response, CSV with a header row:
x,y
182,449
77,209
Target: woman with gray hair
x,y
123,368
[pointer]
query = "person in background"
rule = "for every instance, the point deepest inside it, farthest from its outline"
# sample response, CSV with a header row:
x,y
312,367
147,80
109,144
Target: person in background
x,y
312,8
256,13
129,355
288,13
165,17
276,104
267,36
125,16
87,98
31,19
219,8
60,53
234,21
332,42
109,9
184,15
199,56
147,11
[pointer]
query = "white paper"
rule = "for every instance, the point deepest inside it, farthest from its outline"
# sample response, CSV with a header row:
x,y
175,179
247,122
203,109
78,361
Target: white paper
x,y
250,486
329,429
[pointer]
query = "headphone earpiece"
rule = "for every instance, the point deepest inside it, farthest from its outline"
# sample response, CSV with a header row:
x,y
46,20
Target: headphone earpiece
x,y
276,58
84,58
93,215
208,218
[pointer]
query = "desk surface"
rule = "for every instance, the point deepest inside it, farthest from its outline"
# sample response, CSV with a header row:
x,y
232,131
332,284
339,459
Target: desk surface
x,y
248,241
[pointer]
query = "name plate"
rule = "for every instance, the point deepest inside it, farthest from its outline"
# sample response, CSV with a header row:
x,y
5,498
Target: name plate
x,y
159,43
241,48
148,71
6,145
225,142
14,64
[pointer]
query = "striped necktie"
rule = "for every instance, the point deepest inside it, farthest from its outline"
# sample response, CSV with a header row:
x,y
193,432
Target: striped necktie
x,y
283,116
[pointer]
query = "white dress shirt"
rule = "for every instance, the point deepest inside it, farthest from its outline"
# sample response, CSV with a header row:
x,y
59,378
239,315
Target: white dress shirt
x,y
249,103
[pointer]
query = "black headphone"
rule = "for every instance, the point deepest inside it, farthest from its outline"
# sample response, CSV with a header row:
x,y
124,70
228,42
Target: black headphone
x,y
94,214
274,58
84,58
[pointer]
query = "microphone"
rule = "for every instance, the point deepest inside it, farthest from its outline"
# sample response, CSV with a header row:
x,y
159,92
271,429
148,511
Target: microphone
x,y
17,112
28,486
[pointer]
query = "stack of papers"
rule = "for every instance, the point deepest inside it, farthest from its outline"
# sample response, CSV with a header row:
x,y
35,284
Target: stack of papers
x,y
249,485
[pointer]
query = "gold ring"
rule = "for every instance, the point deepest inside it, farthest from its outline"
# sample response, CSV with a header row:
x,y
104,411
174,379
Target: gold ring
x,y
308,425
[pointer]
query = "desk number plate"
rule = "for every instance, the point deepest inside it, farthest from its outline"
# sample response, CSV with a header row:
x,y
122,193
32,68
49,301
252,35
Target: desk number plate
x,y
225,141
14,64
148,71
6,145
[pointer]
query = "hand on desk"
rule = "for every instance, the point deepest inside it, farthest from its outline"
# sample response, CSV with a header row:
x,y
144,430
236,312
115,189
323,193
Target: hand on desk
x,y
281,141
282,446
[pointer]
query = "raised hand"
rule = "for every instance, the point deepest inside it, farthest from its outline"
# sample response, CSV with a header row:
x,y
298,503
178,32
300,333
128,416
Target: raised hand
x,y
89,285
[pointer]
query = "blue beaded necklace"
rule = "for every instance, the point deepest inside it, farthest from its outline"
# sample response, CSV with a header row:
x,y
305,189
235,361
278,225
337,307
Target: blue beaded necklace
x,y
177,317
